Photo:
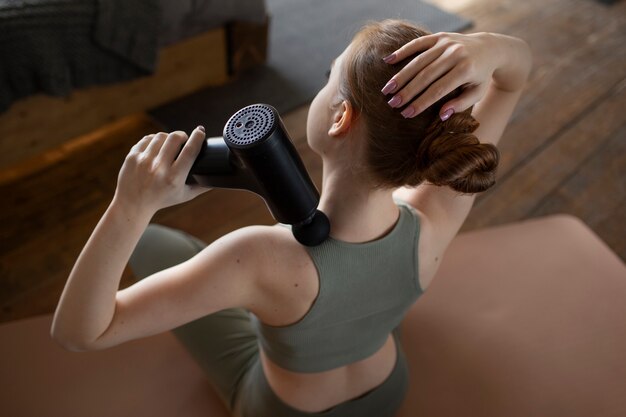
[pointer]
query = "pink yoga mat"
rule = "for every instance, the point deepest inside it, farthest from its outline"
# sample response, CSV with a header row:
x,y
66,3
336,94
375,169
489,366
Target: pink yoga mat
x,y
527,319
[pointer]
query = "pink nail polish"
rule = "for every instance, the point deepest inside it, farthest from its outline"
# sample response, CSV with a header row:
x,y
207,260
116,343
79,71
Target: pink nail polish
x,y
389,58
408,112
446,114
395,101
389,87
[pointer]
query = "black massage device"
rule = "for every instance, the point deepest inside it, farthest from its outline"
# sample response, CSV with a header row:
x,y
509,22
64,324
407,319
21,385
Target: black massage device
x,y
256,154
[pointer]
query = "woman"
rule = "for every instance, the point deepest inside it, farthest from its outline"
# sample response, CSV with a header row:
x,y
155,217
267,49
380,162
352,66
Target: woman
x,y
325,316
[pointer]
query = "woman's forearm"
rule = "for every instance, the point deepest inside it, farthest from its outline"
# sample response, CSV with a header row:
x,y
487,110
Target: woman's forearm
x,y
514,64
152,177
87,304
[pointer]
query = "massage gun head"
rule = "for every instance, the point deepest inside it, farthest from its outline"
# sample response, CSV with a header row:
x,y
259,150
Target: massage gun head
x,y
257,137
251,125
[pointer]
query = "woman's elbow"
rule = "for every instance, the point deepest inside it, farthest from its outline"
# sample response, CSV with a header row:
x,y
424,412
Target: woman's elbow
x,y
70,341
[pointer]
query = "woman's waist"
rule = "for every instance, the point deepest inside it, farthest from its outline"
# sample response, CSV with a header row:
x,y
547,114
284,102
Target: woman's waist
x,y
319,391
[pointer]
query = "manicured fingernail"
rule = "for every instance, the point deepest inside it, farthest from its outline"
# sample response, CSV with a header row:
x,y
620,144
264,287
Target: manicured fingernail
x,y
201,128
446,114
395,101
389,58
408,112
389,87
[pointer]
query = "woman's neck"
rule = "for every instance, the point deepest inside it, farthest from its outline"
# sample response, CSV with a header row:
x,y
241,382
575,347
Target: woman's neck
x,y
357,212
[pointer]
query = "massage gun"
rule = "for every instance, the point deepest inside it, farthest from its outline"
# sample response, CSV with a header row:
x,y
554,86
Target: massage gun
x,y
256,154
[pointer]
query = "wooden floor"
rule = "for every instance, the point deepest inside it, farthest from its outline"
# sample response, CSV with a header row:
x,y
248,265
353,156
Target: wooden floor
x,y
564,152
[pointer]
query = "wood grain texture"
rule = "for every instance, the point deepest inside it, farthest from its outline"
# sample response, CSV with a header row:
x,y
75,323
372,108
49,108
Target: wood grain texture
x,y
563,152
40,123
519,190
48,217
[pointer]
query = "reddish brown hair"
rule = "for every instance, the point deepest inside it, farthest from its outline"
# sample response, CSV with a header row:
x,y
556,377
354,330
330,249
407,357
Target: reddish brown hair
x,y
403,151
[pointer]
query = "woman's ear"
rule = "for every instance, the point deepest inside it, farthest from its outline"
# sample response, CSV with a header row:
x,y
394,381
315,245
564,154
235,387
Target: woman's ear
x,y
342,119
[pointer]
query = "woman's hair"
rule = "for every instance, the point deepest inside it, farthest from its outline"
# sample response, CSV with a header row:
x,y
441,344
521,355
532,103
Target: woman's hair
x,y
401,151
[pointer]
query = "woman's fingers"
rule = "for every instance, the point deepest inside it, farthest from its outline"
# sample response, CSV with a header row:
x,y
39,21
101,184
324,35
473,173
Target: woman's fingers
x,y
469,97
139,147
419,44
142,144
448,61
418,84
153,175
190,151
409,72
155,145
435,92
171,147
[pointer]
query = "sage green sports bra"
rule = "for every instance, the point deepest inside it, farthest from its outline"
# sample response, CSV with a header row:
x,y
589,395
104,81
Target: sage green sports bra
x,y
365,290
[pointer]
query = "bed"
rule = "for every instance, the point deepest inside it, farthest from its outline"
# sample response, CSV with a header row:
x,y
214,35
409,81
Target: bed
x,y
68,67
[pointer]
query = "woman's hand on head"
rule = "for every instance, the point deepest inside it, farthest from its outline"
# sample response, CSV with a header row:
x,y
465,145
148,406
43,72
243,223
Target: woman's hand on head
x,y
447,61
154,172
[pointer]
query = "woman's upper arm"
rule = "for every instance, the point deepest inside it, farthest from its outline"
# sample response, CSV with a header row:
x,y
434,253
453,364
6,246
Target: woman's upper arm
x,y
443,207
493,113
495,108
223,275
443,212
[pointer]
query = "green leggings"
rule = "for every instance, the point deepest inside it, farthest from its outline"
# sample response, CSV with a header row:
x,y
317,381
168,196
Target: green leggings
x,y
225,345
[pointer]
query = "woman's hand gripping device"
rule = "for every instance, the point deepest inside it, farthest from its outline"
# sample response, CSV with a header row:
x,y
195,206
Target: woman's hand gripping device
x,y
256,154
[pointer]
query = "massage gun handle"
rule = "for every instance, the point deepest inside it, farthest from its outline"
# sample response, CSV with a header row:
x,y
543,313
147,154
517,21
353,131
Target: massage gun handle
x,y
217,166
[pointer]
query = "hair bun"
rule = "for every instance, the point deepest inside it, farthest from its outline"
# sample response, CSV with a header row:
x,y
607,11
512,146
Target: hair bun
x,y
400,151
453,156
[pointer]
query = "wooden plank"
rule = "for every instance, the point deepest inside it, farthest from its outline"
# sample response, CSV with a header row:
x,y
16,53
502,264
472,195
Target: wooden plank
x,y
47,218
595,189
42,298
489,15
578,58
517,194
80,172
596,192
612,228
39,123
247,45
96,141
48,253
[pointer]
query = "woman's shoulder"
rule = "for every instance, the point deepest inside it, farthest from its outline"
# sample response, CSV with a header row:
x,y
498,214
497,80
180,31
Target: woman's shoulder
x,y
285,272
269,246
262,235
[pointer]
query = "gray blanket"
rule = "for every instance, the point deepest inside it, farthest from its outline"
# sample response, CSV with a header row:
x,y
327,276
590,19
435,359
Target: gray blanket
x,y
54,46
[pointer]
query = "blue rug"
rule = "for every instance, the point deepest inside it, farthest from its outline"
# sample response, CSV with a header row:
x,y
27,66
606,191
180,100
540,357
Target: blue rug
x,y
305,36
